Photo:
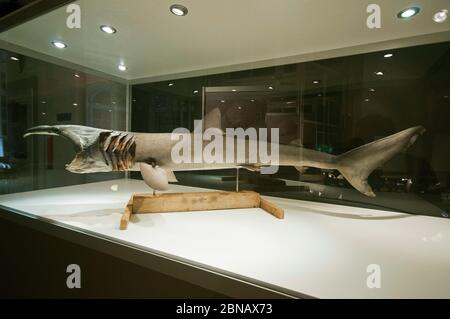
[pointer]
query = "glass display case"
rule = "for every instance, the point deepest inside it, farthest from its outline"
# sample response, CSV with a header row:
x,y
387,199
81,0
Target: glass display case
x,y
359,100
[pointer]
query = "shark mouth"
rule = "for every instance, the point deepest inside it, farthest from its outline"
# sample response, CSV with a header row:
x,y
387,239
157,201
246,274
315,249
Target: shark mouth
x,y
97,150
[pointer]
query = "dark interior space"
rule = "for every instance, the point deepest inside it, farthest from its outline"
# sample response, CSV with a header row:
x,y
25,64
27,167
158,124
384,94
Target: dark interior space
x,y
332,106
9,6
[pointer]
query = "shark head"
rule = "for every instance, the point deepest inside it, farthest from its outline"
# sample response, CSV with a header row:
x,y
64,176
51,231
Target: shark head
x,y
97,150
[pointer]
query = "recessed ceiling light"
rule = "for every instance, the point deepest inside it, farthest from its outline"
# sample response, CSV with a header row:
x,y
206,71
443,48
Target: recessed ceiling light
x,y
379,73
222,101
14,58
44,102
270,87
233,90
44,114
76,75
367,100
178,10
316,81
239,107
319,95
75,104
195,91
408,13
388,55
440,16
372,90
170,84
134,100
252,100
122,67
59,44
108,29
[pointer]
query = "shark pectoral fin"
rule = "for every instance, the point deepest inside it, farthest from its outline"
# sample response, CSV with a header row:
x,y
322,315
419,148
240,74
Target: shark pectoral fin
x,y
297,142
301,169
252,168
154,177
171,176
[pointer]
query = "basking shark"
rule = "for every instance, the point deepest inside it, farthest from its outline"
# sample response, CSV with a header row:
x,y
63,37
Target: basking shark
x,y
103,150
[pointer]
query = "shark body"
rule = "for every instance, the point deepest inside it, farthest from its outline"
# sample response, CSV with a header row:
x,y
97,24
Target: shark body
x,y
102,150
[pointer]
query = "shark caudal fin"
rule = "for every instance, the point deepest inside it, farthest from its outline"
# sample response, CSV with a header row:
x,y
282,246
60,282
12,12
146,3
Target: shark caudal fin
x,y
357,164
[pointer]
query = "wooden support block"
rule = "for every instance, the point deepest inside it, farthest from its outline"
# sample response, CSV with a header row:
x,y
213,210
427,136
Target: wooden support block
x,y
196,201
272,209
126,215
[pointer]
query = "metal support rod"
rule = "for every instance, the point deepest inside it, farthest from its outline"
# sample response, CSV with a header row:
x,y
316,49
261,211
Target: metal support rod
x,y
237,179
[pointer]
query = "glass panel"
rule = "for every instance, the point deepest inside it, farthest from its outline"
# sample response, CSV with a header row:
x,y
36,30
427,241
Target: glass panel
x,y
34,92
331,106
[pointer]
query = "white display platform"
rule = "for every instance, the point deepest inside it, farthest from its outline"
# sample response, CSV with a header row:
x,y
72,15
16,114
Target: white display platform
x,y
320,250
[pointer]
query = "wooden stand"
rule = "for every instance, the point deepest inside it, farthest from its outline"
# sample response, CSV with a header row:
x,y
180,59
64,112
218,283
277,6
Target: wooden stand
x,y
195,201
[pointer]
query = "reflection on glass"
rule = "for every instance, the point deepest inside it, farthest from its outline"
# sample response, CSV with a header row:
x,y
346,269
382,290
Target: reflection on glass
x,y
331,106
34,92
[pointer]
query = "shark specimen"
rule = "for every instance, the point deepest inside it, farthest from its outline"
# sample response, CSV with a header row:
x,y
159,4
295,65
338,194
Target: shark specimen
x,y
103,150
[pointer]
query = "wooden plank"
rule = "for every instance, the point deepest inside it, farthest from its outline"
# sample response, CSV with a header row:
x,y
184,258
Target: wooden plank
x,y
195,201
272,209
126,215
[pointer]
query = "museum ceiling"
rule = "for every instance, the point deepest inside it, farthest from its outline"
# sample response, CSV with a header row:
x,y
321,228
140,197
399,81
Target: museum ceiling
x,y
160,44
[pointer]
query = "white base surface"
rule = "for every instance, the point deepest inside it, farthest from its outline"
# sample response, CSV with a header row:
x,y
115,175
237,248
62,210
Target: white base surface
x,y
321,250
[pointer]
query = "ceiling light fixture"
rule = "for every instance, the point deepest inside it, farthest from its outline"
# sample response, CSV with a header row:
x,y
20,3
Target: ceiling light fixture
x,y
170,84
59,44
252,100
270,87
14,58
440,16
367,100
108,29
408,13
316,82
388,55
195,91
372,90
222,101
233,90
76,75
379,73
122,67
178,10
75,104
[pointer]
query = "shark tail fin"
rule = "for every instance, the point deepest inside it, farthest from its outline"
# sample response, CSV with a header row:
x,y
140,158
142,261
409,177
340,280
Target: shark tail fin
x,y
357,164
